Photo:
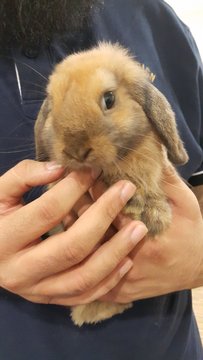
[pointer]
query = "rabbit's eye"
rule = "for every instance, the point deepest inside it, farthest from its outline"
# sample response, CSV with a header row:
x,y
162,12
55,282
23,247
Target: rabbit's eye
x,y
108,100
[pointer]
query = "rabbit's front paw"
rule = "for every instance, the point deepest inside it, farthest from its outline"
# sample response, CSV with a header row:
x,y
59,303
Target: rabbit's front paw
x,y
156,216
135,207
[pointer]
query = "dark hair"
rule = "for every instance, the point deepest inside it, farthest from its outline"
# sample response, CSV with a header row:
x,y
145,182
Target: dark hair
x,y
30,22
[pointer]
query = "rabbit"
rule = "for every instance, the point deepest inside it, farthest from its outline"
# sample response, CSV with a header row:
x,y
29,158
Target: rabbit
x,y
102,109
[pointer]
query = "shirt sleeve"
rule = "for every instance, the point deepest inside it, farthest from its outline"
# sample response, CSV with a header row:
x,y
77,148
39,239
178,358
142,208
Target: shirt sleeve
x,y
197,177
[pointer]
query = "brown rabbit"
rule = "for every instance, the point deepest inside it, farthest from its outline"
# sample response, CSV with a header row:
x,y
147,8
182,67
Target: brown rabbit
x,y
102,109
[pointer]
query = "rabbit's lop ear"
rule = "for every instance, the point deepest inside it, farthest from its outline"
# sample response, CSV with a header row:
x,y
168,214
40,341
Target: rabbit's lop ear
x,y
162,118
41,147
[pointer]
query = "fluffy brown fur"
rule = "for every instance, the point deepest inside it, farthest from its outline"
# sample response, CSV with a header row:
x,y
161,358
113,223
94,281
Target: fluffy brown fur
x,y
130,140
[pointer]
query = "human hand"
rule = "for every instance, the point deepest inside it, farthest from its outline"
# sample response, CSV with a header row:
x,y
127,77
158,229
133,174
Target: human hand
x,y
172,261
65,268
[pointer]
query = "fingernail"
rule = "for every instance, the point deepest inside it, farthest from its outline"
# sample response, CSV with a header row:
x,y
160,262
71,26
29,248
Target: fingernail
x,y
138,232
126,267
127,191
52,166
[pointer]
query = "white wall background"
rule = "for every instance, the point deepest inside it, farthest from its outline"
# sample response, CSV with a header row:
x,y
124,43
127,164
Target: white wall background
x,y
191,13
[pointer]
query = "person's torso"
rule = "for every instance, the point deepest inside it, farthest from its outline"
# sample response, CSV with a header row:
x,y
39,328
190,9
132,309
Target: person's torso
x,y
154,329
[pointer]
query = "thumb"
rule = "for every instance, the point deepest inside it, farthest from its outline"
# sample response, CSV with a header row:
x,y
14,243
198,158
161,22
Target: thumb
x,y
25,175
177,190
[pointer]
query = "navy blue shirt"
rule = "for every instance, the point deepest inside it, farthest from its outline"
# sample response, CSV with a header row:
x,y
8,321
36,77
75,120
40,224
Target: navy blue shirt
x,y
161,328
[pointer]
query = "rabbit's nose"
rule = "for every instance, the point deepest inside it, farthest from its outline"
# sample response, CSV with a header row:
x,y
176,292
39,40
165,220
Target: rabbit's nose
x,y
83,154
80,155
87,152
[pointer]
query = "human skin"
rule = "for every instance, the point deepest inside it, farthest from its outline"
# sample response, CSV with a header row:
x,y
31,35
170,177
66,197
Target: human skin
x,y
72,267
172,261
32,269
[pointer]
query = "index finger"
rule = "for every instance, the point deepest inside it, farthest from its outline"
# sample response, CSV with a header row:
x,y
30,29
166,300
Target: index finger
x,y
96,191
28,223
22,177
78,242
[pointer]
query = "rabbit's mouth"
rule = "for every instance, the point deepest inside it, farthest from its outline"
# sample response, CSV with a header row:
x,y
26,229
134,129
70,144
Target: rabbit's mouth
x,y
91,154
94,169
82,159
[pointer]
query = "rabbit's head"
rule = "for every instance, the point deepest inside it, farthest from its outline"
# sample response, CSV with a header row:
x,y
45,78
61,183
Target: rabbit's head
x,y
100,105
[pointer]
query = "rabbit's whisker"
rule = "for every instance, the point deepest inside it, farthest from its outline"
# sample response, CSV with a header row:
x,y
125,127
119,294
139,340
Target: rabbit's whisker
x,y
19,147
117,166
36,71
14,151
31,91
164,181
138,153
34,84
174,186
